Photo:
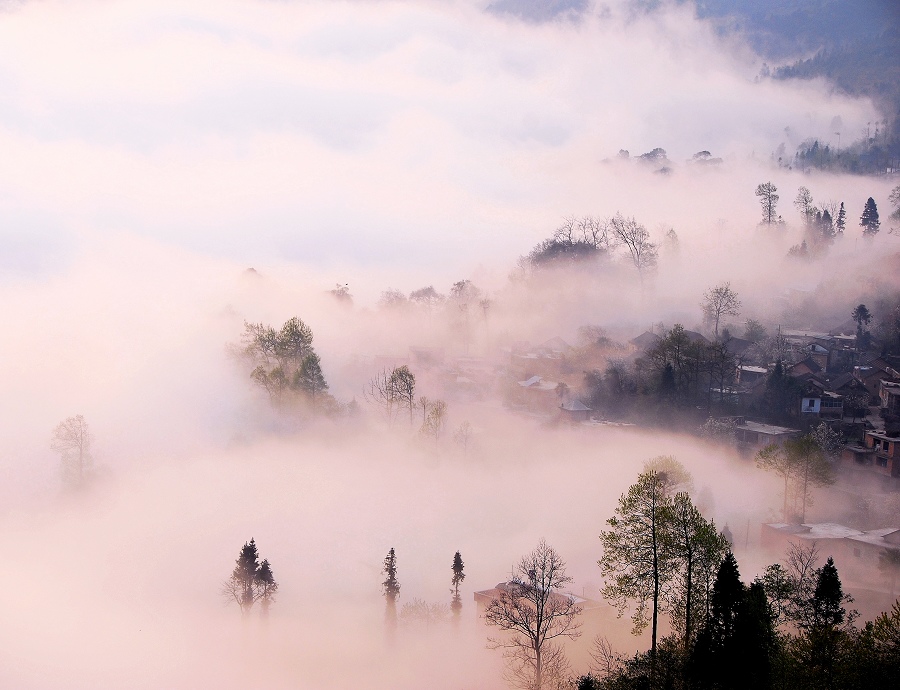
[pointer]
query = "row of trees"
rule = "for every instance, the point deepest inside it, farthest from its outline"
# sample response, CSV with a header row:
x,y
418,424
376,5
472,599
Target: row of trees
x,y
419,610
824,223
591,238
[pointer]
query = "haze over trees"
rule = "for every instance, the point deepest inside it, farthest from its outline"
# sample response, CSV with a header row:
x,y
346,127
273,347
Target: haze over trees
x,y
718,302
72,440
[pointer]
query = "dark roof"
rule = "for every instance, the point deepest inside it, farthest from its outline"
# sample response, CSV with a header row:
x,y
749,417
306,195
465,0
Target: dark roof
x,y
695,337
645,340
809,363
841,380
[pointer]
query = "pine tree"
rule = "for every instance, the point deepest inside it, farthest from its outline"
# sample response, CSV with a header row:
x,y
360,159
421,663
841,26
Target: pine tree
x,y
266,586
458,577
868,221
391,587
828,599
840,223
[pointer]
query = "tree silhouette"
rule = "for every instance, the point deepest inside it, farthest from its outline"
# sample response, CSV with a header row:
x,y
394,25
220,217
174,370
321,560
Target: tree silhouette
x,y
458,577
535,613
72,440
868,221
250,581
768,199
391,588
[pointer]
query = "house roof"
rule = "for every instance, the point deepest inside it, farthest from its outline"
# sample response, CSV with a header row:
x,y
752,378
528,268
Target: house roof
x,y
769,429
809,363
645,340
738,346
817,530
575,406
556,343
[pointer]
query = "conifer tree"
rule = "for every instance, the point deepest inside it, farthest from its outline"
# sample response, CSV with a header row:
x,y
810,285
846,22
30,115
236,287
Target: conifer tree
x,y
250,581
391,587
840,223
868,221
309,377
458,577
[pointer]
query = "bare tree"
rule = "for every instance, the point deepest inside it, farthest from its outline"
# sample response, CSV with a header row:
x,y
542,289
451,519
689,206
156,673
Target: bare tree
x,y
420,611
804,204
635,238
72,440
435,419
463,436
403,383
720,301
537,617
380,392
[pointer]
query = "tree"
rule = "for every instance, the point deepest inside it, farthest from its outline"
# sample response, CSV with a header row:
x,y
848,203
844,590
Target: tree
x,y
266,586
435,419
802,465
695,548
421,611
309,377
804,204
250,581
634,561
768,199
868,221
72,440
863,317
840,222
458,576
391,589
754,331
636,239
828,440
403,384
894,198
536,614
720,301
822,634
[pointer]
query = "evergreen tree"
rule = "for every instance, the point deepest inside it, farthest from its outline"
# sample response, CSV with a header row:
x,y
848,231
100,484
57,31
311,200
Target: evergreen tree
x,y
868,221
826,226
391,588
727,594
828,599
458,577
266,586
840,223
309,377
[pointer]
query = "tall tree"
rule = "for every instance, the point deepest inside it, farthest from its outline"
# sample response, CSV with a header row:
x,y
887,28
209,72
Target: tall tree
x,y
720,301
72,440
868,221
768,199
894,198
536,614
266,586
840,222
695,549
802,465
309,378
862,316
403,383
635,238
458,576
391,589
634,560
804,204
250,581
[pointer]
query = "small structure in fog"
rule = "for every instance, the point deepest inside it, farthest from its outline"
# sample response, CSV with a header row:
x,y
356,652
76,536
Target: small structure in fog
x,y
575,411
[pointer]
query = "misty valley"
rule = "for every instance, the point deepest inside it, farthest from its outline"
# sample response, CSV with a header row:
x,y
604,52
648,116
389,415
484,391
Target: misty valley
x,y
530,344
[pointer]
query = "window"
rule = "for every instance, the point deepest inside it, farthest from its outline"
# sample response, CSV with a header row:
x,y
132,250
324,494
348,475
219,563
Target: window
x,y
882,462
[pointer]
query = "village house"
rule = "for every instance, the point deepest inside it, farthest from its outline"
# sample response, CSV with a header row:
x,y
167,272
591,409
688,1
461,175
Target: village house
x,y
877,456
575,411
754,436
858,554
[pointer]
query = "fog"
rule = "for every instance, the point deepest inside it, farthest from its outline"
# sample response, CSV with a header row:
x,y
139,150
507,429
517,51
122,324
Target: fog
x,y
154,152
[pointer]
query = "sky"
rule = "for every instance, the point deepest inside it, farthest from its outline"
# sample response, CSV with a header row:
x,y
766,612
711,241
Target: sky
x,y
153,151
